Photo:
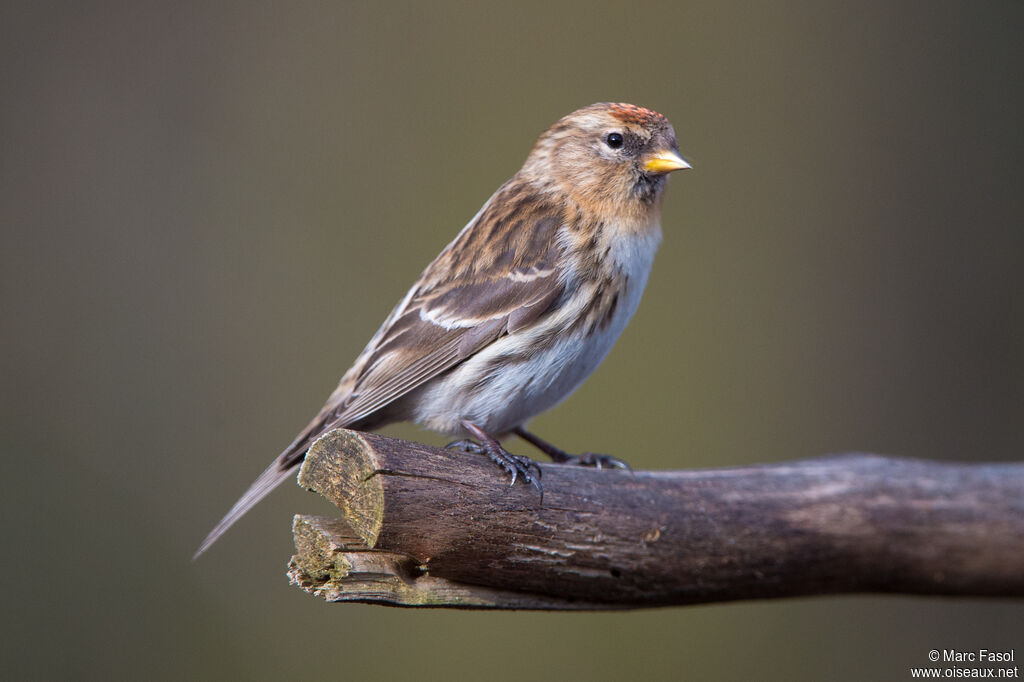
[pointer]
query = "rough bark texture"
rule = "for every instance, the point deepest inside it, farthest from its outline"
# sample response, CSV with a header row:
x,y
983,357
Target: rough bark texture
x,y
432,527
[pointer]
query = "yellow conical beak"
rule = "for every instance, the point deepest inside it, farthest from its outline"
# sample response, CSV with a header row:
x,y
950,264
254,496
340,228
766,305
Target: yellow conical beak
x,y
664,161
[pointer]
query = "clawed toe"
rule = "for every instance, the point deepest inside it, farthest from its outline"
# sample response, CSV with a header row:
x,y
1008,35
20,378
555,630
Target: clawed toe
x,y
591,459
524,464
515,465
467,445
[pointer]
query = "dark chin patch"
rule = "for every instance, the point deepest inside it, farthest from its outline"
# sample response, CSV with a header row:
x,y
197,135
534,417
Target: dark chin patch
x,y
648,186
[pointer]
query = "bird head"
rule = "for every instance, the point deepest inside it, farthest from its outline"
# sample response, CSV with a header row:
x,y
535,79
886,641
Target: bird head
x,y
610,158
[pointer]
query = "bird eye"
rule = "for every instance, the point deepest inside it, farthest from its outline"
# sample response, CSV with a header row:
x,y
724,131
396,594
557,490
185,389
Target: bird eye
x,y
614,140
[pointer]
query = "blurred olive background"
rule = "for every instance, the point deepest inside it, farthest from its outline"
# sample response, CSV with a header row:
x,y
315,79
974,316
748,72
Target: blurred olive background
x,y
207,211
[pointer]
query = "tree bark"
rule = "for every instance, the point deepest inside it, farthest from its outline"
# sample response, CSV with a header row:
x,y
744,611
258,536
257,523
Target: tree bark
x,y
433,527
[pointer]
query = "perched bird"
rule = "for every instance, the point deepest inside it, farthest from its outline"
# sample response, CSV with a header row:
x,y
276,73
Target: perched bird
x,y
522,306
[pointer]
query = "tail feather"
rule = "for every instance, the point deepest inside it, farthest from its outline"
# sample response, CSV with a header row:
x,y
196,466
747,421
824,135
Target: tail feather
x,y
274,476
284,465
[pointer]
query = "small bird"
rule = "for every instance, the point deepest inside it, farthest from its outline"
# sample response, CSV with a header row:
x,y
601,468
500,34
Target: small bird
x,y
521,307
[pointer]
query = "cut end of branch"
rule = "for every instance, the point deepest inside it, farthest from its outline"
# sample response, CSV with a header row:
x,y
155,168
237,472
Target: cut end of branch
x,y
340,466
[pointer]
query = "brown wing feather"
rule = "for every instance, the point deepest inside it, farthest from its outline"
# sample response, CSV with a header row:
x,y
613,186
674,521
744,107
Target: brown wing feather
x,y
458,310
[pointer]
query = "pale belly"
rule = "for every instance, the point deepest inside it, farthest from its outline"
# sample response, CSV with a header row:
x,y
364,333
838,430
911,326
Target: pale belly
x,y
519,376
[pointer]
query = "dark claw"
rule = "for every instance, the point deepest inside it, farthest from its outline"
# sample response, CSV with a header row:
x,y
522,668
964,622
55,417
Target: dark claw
x,y
513,464
591,459
523,466
518,466
467,445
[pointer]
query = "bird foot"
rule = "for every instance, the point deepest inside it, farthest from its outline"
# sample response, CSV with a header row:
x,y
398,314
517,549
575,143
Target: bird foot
x,y
560,456
467,445
591,459
516,465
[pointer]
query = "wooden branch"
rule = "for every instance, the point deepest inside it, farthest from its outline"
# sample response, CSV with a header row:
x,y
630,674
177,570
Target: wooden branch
x,y
424,526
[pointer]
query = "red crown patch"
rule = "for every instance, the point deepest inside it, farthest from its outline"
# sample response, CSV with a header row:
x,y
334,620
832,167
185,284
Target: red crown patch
x,y
631,113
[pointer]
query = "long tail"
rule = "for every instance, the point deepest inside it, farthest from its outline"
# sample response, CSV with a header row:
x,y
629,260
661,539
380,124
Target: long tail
x,y
283,466
274,476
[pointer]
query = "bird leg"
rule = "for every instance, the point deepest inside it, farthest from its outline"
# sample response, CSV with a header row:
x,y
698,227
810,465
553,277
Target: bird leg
x,y
488,445
559,456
